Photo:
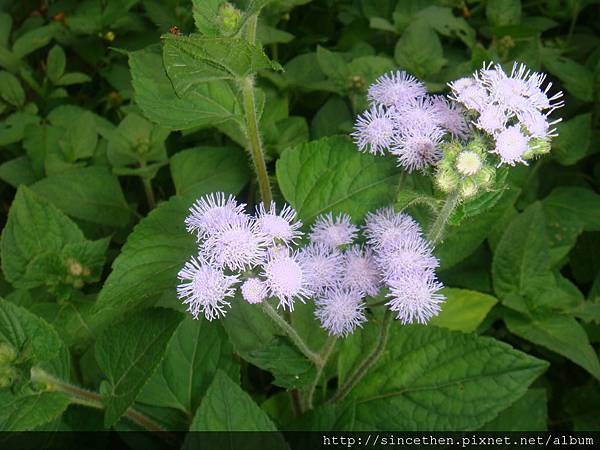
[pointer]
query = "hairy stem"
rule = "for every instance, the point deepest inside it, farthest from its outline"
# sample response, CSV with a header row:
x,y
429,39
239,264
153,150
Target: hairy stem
x,y
291,333
88,398
150,197
436,233
324,355
368,361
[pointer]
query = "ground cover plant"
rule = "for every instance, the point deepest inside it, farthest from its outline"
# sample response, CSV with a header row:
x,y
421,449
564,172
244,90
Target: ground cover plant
x,y
326,215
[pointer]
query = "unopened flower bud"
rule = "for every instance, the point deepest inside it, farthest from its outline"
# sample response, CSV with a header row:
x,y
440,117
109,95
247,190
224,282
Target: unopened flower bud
x,y
7,354
468,189
229,17
75,267
446,181
8,375
468,163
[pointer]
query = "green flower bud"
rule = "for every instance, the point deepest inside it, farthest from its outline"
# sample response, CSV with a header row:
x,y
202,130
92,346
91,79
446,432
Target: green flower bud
x,y
8,375
486,176
229,17
7,354
468,189
468,163
446,180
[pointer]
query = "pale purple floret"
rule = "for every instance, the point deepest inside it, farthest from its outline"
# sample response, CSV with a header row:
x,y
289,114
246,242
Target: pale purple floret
x,y
384,228
282,228
285,277
492,119
451,116
410,253
340,311
254,290
419,112
375,129
205,289
333,232
470,93
360,271
322,266
511,145
537,124
212,212
395,89
237,245
414,297
418,147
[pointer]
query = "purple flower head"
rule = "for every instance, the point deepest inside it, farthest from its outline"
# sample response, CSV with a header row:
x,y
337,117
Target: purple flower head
x,y
375,129
385,227
333,232
417,112
322,265
511,144
340,311
418,146
236,245
395,89
254,290
410,254
204,288
285,277
212,212
360,271
537,124
414,298
451,116
470,93
278,228
492,119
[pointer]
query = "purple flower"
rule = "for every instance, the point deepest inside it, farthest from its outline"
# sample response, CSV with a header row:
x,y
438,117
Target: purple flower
x,y
281,228
470,93
418,146
204,288
451,116
360,271
492,119
285,277
385,227
417,112
375,129
254,290
333,232
395,89
340,311
410,254
537,124
213,212
322,265
414,298
511,144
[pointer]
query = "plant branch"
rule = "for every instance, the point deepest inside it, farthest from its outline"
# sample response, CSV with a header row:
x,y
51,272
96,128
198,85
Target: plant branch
x,y
436,233
291,333
371,359
324,355
150,197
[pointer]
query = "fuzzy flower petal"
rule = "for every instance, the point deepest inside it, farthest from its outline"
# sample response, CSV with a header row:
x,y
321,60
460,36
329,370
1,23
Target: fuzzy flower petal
x,y
340,311
333,232
385,228
375,129
511,144
411,253
254,290
283,228
395,89
418,147
322,265
451,116
360,271
414,298
285,278
213,212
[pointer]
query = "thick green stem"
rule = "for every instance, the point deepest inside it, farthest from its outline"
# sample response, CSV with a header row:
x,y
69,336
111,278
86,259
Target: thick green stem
x,y
150,197
325,354
291,333
368,361
91,399
253,138
436,233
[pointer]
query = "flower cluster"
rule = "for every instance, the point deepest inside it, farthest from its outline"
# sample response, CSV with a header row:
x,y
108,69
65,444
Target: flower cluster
x,y
512,109
260,255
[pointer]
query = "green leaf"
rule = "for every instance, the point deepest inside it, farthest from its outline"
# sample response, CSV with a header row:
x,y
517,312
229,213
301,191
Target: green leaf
x,y
332,64
196,351
209,104
573,140
561,334
57,61
26,412
226,407
529,413
200,170
34,228
80,139
5,28
11,90
578,79
503,12
71,78
248,327
331,175
128,353
435,379
12,128
419,50
521,265
446,23
18,171
146,269
463,310
89,193
34,39
582,203
582,404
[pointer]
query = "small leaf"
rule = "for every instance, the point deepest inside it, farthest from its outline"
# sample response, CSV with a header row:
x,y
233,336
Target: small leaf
x,y
26,412
463,310
34,39
57,62
503,12
71,78
578,79
11,90
573,140
128,353
419,50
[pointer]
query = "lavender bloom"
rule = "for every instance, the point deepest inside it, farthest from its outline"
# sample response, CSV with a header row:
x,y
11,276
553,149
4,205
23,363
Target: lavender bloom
x,y
492,119
340,311
322,266
470,93
333,232
360,271
254,290
511,144
409,254
418,146
375,129
451,116
278,228
414,298
418,112
385,227
537,124
285,277
204,288
236,245
396,89
212,212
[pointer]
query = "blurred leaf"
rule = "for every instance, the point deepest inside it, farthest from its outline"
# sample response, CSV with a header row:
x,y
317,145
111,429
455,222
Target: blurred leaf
x,y
26,412
73,78
34,39
11,90
18,171
578,79
419,50
463,310
248,327
573,141
56,64
529,413
503,12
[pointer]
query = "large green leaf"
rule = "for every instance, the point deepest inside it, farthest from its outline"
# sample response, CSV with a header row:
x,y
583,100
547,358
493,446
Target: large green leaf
x,y
128,353
573,140
463,310
248,327
529,413
26,412
435,379
419,50
146,270
196,351
332,175
503,12
89,193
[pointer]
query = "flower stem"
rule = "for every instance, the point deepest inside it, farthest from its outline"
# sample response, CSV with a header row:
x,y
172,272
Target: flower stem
x,y
369,360
291,333
88,398
324,355
150,197
436,233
